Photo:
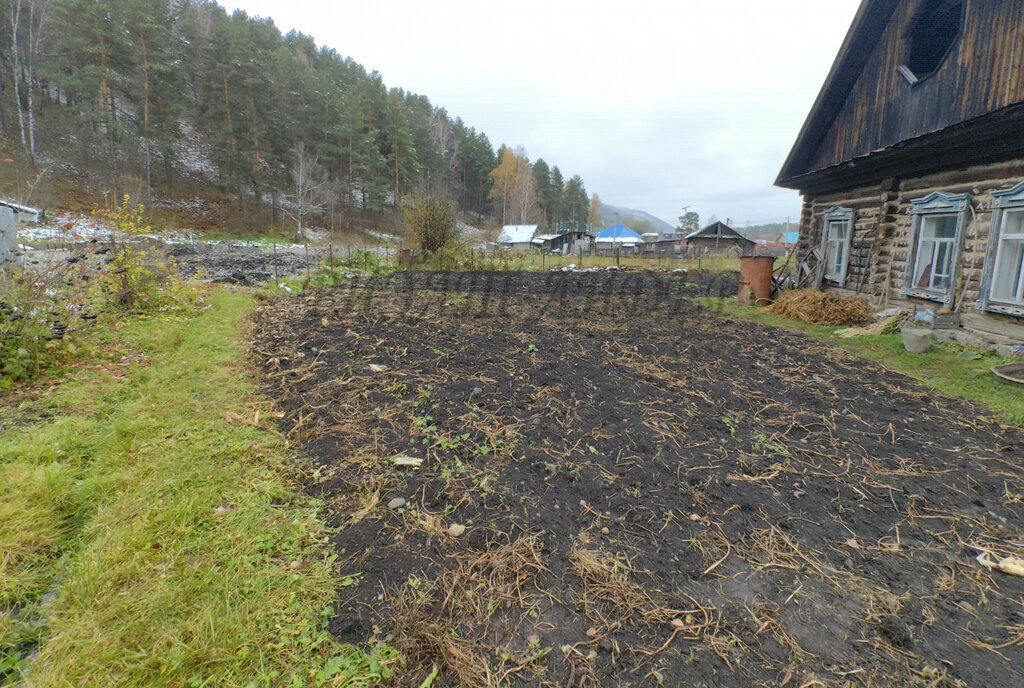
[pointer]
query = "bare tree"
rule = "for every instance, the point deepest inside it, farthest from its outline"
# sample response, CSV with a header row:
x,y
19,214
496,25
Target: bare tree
x,y
444,141
25,47
309,186
15,9
524,190
525,195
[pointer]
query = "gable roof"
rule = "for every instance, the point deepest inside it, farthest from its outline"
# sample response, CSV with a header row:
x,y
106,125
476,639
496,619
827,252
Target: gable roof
x,y
870,122
619,233
717,230
517,234
868,26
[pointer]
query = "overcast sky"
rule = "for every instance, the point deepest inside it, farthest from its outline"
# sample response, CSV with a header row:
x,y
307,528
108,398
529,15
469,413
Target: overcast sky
x,y
657,105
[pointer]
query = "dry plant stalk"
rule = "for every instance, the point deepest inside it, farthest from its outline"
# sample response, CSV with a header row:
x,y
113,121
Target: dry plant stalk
x,y
822,308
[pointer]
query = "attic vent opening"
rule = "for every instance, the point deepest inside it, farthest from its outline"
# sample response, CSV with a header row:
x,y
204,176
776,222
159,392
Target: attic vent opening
x,y
931,38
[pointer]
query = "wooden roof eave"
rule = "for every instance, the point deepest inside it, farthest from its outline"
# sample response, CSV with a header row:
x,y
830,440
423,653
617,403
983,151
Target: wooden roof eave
x,y
868,26
977,141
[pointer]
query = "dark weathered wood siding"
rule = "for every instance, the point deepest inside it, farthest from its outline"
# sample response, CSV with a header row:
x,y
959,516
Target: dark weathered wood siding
x,y
720,245
983,73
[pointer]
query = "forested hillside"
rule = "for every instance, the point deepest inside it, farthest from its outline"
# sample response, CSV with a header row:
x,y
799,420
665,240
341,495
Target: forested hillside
x,y
162,95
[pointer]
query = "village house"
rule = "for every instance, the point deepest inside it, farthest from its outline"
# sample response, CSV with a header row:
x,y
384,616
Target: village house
x,y
911,163
517,237
718,239
617,238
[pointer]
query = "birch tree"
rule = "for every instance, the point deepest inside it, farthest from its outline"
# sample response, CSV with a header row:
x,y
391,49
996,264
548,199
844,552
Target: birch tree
x,y
27,23
309,182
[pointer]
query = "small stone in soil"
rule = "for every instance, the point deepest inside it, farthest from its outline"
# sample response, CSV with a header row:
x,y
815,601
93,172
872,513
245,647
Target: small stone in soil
x,y
605,531
396,503
456,529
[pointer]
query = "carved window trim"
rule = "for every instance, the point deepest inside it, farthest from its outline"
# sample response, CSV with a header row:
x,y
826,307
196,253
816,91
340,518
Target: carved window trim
x,y
837,215
937,204
1002,201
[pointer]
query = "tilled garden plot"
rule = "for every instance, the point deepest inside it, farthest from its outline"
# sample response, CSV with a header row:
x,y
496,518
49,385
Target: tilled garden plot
x,y
619,487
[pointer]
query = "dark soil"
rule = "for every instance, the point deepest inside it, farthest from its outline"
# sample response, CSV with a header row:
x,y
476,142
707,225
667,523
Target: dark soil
x,y
652,493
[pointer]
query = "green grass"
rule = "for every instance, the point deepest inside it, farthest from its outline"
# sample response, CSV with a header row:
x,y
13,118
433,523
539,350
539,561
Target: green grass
x,y
946,368
151,538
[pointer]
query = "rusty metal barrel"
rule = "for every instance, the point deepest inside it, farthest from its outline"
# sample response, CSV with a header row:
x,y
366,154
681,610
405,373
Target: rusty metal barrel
x,y
756,279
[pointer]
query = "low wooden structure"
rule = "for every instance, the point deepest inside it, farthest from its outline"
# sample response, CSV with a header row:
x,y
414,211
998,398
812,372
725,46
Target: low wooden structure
x,y
911,162
565,243
8,233
10,215
718,239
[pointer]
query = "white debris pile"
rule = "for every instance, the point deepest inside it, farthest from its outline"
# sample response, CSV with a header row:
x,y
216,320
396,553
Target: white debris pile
x,y
572,267
66,228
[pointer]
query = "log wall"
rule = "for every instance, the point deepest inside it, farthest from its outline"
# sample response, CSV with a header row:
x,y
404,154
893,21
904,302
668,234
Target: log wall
x,y
883,227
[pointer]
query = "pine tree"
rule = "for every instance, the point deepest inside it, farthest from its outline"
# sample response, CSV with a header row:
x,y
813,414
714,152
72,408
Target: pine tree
x,y
577,205
556,205
401,153
128,74
542,176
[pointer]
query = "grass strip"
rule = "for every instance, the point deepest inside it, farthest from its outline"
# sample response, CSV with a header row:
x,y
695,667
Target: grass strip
x,y
947,368
150,536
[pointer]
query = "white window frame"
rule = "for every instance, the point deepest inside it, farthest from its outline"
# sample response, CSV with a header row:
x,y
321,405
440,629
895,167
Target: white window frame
x,y
1004,204
933,206
835,271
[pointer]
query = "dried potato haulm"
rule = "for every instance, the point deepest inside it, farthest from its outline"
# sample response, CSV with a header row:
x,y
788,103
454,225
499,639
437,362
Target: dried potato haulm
x,y
646,492
822,308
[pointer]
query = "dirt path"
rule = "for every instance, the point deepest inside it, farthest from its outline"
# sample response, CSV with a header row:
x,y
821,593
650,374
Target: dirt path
x,y
652,493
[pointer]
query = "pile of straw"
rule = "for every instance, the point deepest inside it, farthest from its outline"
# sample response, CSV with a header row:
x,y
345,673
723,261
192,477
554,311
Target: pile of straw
x,y
822,308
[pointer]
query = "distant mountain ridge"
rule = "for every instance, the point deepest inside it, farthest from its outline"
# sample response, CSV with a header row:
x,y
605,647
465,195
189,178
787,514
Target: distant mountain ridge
x,y
610,214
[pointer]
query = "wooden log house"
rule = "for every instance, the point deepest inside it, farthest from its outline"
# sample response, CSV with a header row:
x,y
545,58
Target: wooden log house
x,y
718,239
911,162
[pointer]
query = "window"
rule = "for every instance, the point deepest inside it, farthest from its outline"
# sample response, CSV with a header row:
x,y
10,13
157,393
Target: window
x,y
935,250
1008,278
1002,288
936,239
836,243
931,38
